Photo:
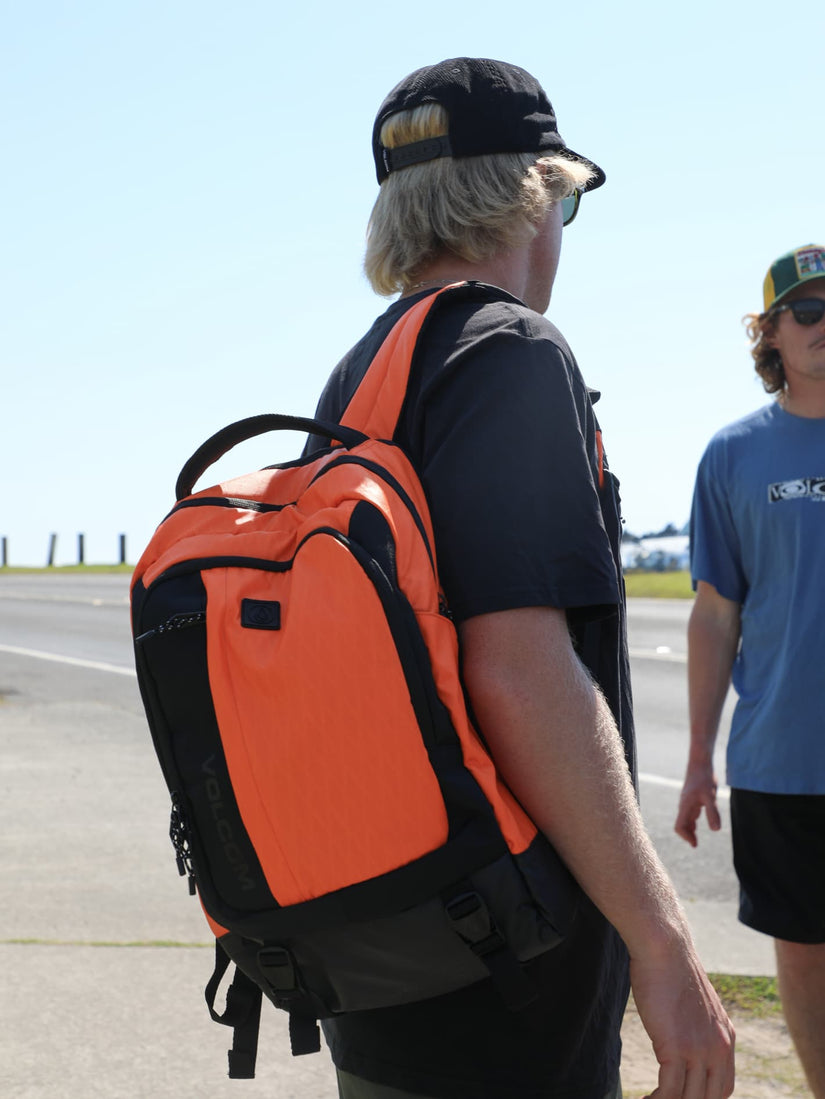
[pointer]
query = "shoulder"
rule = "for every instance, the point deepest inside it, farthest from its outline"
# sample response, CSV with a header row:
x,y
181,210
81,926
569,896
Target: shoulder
x,y
737,440
755,424
482,332
489,312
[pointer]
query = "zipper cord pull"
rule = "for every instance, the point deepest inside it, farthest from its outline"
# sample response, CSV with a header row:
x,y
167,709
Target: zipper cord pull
x,y
179,835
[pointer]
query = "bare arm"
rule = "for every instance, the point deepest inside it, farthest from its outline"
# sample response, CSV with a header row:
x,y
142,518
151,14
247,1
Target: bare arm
x,y
555,742
713,638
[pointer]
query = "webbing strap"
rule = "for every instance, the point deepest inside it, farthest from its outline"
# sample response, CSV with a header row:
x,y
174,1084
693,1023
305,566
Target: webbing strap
x,y
280,971
244,1050
242,1013
473,922
304,1034
376,404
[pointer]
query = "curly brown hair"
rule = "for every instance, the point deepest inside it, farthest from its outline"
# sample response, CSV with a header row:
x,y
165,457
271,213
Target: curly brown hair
x,y
768,362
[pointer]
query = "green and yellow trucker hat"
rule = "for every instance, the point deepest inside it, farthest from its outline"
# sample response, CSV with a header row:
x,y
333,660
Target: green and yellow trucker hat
x,y
791,270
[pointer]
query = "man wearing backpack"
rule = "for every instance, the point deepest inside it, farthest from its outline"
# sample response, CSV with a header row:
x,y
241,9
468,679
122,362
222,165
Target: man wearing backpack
x,y
476,184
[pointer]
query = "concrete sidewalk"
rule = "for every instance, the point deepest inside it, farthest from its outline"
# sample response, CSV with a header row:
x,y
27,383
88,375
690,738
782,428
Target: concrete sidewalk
x,y
85,859
86,1022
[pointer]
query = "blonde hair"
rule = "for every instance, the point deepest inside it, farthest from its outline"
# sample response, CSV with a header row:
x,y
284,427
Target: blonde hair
x,y
766,358
470,207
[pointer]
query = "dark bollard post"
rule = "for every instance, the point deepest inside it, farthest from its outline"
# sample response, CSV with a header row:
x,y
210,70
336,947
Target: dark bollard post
x,y
123,549
80,549
5,551
52,548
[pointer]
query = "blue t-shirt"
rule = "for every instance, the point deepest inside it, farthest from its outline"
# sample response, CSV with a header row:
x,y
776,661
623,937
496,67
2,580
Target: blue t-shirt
x,y
758,536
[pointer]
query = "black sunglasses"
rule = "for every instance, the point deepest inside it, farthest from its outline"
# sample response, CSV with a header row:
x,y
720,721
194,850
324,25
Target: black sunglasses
x,y
805,311
570,207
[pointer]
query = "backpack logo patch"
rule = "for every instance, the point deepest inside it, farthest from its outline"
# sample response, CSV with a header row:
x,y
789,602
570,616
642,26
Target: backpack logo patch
x,y
261,614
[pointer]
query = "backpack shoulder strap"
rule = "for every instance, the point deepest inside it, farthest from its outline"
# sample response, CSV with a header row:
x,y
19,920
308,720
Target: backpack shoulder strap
x,y
375,407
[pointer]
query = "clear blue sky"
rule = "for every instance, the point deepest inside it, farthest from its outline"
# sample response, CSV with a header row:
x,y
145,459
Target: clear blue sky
x,y
185,191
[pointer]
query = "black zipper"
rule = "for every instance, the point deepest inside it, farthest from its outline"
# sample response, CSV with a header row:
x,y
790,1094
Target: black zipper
x,y
197,564
259,506
181,621
239,502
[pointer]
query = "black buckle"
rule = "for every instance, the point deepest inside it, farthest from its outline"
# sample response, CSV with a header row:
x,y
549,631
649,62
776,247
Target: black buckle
x,y
471,919
279,971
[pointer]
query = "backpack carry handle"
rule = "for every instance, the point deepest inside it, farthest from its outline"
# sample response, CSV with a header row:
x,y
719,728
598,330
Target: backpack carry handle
x,y
222,441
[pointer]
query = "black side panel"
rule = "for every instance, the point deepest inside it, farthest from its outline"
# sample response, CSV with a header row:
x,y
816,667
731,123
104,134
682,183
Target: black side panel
x,y
369,529
174,678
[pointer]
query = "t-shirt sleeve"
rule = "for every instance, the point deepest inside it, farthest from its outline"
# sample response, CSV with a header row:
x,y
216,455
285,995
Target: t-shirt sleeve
x,y
508,457
715,555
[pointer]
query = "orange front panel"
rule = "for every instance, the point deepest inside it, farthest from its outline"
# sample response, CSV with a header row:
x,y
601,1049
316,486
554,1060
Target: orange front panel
x,y
324,801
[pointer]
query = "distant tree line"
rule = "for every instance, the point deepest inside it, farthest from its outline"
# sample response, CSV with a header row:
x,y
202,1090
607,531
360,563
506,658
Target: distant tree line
x,y
670,531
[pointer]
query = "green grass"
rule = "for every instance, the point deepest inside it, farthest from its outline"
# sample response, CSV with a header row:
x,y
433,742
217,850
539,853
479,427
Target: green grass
x,y
658,585
754,996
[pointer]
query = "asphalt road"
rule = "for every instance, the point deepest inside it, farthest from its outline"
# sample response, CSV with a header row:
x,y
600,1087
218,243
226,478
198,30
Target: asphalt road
x,y
85,860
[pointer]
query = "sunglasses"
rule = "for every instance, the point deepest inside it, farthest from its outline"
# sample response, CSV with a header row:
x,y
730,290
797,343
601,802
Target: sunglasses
x,y
570,207
805,311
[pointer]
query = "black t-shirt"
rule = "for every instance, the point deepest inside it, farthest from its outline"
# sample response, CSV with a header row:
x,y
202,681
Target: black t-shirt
x,y
499,425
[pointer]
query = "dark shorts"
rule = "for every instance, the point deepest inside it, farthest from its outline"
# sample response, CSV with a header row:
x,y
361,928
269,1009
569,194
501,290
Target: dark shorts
x,y
353,1087
779,856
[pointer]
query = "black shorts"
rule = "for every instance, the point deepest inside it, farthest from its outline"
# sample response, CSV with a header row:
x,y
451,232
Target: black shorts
x,y
779,856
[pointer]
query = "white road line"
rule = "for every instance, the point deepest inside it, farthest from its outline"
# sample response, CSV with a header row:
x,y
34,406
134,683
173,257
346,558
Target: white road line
x,y
675,784
52,597
660,780
95,665
658,654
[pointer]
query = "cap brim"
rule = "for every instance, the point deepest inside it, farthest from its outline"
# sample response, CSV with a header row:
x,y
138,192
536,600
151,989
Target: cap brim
x,y
807,278
599,177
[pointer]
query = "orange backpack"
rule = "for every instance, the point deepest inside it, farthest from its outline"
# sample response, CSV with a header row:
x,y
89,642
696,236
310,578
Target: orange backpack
x,y
349,838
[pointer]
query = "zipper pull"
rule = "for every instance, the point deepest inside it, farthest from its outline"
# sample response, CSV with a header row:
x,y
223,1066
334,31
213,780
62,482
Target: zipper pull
x,y
182,621
177,622
179,835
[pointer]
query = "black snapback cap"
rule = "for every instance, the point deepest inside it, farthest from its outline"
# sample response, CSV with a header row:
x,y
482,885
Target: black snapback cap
x,y
493,107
